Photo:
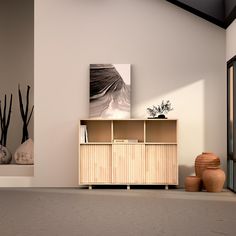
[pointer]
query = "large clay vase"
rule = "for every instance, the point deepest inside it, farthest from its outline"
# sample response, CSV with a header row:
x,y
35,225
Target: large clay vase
x,y
5,155
24,154
192,184
206,159
213,179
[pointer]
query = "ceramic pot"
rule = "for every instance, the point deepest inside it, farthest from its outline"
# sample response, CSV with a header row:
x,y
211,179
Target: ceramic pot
x,y
5,155
206,159
24,154
192,184
161,116
213,179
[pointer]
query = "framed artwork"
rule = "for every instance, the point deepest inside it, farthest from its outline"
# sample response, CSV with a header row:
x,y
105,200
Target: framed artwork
x,y
110,91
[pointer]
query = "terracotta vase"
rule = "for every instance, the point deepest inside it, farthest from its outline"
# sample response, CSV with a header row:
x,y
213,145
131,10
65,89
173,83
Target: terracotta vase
x,y
206,159
213,179
192,184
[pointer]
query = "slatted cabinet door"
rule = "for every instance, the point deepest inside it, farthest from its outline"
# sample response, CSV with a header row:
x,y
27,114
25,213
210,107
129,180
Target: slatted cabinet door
x,y
95,164
128,164
161,164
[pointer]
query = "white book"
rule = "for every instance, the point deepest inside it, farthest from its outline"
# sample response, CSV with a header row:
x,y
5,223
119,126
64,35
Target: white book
x,y
83,134
86,135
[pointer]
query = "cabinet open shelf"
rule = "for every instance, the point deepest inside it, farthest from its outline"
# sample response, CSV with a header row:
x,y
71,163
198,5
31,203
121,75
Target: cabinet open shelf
x,y
146,152
98,130
163,131
128,129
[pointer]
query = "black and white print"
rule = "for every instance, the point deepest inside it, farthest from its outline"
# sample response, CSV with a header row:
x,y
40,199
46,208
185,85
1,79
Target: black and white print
x,y
110,91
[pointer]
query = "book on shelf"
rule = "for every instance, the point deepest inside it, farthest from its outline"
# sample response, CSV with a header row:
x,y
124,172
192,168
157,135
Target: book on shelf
x,y
125,140
83,134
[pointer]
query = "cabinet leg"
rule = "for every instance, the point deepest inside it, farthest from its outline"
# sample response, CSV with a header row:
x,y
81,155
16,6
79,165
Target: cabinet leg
x,y
166,187
90,187
128,187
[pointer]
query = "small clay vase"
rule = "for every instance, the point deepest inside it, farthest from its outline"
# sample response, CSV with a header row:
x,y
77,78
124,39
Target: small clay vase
x,y
213,179
192,184
206,159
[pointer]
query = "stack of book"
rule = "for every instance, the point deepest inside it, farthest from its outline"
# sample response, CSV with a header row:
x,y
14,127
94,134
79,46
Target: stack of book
x,y
125,140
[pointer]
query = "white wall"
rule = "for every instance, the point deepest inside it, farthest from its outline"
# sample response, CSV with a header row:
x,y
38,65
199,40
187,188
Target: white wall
x,y
174,55
16,60
231,41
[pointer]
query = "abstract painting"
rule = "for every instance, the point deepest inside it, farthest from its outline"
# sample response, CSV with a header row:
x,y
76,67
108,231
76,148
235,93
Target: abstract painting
x,y
110,91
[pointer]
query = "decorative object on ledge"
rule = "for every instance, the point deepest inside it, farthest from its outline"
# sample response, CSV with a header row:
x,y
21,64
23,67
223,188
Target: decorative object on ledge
x,y
83,134
110,91
213,179
5,155
26,116
206,159
159,110
192,184
125,140
24,154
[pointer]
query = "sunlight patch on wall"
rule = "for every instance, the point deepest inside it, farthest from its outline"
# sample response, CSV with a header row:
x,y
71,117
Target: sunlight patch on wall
x,y
188,103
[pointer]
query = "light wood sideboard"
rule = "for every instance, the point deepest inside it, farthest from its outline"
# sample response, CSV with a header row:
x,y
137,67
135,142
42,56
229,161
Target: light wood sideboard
x,y
149,155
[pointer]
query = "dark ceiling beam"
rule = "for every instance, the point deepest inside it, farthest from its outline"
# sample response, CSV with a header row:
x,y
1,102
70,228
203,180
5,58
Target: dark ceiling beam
x,y
230,18
229,6
220,12
198,13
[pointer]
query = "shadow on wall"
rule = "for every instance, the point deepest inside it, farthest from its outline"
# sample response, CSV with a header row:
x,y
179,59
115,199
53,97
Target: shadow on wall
x,y
200,107
199,100
188,68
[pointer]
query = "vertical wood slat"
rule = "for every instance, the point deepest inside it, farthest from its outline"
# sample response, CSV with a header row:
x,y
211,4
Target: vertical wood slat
x,y
128,164
161,164
144,131
95,164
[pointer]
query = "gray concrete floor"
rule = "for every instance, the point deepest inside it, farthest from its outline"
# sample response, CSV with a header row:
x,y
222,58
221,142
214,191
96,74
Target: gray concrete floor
x,y
52,212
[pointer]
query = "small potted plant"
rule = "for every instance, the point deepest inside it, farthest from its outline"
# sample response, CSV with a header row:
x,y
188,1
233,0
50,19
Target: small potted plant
x,y
159,111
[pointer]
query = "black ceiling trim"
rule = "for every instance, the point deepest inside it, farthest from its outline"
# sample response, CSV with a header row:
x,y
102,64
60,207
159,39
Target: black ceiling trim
x,y
230,18
198,13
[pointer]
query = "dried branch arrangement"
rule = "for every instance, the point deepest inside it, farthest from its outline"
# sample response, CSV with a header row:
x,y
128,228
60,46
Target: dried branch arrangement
x,y
25,114
162,109
5,120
